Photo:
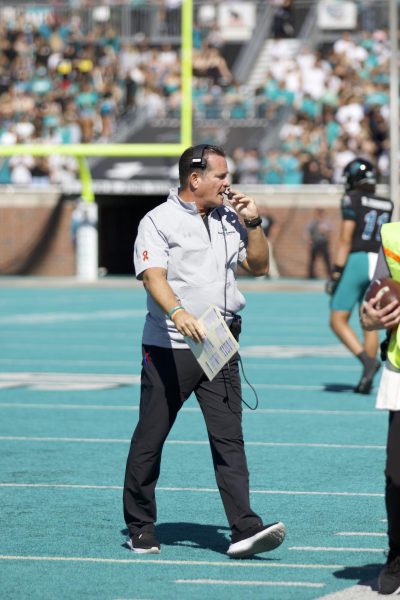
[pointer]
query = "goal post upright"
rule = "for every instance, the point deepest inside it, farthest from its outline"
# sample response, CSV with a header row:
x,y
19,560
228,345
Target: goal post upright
x,y
186,74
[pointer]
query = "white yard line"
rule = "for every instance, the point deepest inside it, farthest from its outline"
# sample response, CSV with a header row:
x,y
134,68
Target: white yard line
x,y
304,584
68,317
332,549
360,534
188,489
21,438
157,561
106,407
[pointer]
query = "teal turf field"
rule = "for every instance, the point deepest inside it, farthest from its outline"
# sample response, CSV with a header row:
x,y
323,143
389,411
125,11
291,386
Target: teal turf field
x,y
69,393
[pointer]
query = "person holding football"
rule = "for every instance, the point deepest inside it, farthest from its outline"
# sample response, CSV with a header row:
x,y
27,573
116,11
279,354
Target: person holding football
x,y
373,317
363,214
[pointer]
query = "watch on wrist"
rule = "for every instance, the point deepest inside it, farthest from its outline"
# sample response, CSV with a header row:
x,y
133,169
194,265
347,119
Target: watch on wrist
x,y
252,223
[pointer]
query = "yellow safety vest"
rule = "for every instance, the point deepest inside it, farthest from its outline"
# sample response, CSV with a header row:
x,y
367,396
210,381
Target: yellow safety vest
x,y
390,235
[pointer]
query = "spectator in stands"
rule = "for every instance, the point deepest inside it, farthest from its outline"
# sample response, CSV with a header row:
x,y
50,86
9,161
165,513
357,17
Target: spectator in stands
x,y
107,114
237,157
210,105
305,58
350,113
312,172
292,172
315,77
282,24
331,126
342,157
344,45
21,169
248,167
378,129
167,12
272,170
40,171
151,100
208,63
86,102
238,101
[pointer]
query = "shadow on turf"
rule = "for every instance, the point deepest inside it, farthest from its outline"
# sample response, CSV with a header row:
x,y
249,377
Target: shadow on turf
x,y
338,387
365,575
194,535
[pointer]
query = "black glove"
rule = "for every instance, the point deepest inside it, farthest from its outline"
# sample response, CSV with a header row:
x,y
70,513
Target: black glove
x,y
331,286
333,282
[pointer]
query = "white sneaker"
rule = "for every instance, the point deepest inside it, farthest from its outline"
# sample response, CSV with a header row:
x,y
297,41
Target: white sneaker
x,y
265,539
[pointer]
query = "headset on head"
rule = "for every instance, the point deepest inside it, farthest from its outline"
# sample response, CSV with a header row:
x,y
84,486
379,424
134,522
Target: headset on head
x,y
198,161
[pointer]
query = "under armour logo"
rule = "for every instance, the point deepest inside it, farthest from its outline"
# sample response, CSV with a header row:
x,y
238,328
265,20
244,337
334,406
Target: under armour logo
x,y
145,255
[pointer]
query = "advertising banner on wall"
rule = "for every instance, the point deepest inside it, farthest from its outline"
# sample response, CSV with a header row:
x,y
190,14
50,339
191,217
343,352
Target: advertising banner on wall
x,y
335,14
235,20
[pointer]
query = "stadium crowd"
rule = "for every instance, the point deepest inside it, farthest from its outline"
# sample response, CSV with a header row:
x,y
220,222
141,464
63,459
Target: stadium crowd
x,y
338,108
62,84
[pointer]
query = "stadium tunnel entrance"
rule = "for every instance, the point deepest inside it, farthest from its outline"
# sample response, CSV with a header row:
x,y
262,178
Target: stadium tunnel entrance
x,y
119,218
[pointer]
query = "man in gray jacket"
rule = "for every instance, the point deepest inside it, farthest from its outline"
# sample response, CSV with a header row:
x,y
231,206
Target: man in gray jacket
x,y
186,253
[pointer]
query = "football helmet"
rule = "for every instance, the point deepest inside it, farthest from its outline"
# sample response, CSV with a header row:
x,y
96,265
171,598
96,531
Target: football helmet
x,y
359,172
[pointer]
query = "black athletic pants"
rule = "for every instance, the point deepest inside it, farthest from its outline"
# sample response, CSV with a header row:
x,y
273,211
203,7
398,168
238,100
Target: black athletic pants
x,y
322,251
168,378
392,473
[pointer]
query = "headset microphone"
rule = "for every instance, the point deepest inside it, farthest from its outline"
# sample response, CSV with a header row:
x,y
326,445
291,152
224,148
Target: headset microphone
x,y
228,194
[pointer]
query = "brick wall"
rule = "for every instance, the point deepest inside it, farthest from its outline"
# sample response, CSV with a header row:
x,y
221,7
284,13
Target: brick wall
x,y
25,245
293,208
290,240
23,218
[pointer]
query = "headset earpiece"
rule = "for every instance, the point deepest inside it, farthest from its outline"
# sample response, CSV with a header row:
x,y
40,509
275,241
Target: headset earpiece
x,y
198,161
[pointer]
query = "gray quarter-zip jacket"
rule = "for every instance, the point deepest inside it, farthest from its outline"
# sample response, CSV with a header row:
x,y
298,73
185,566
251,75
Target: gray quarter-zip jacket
x,y
201,265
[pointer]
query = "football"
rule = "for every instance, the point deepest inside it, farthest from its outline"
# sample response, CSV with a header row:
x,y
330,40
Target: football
x,y
386,289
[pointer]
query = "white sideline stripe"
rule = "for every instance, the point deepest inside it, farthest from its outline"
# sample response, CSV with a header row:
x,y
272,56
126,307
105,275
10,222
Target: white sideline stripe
x,y
187,489
62,486
46,377
132,379
305,584
249,364
207,563
271,411
71,406
12,438
292,351
8,385
60,317
288,366
65,361
360,534
278,386
326,549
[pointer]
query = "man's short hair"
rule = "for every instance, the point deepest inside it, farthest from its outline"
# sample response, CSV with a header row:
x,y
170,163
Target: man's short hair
x,y
195,159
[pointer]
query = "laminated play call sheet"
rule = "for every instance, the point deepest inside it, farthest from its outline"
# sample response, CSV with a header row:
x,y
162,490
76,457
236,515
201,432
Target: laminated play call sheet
x,y
219,345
